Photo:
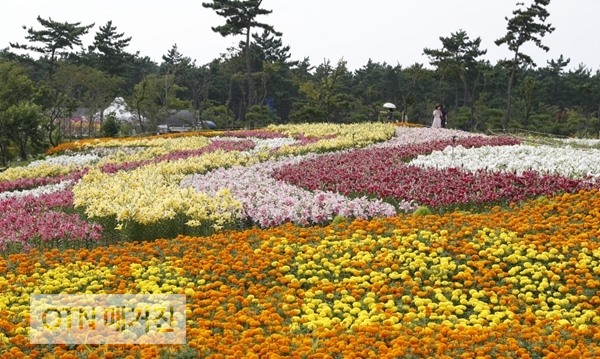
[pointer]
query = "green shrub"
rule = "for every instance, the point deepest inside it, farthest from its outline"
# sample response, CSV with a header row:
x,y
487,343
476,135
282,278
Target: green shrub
x,y
110,126
338,219
422,211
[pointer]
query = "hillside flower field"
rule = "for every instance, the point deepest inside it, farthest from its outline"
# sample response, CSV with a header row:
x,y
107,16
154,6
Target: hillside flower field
x,y
316,241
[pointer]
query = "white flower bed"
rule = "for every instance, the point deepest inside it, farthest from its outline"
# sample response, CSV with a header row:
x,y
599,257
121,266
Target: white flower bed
x,y
36,192
581,141
271,202
567,161
66,160
416,135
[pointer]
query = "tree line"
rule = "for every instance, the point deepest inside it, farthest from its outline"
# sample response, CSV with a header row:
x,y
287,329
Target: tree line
x,y
256,83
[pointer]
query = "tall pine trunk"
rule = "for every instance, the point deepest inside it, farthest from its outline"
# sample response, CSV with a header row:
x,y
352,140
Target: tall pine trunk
x,y
465,89
456,99
510,83
250,80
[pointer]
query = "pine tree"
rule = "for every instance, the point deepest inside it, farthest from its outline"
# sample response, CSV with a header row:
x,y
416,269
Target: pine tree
x,y
456,60
525,26
271,47
110,47
241,18
56,38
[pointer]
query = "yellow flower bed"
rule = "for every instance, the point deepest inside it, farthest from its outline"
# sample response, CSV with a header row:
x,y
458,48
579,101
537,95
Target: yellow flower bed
x,y
159,147
156,148
127,141
347,136
373,130
151,193
42,170
168,143
441,287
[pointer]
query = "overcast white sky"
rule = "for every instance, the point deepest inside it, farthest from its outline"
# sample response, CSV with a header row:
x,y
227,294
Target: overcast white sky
x,y
391,31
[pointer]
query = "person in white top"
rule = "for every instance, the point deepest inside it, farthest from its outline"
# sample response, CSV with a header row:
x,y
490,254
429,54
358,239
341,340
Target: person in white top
x,y
437,117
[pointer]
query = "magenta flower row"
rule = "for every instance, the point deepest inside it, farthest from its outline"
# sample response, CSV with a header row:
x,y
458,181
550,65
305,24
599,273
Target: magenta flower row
x,y
303,141
27,219
29,183
254,133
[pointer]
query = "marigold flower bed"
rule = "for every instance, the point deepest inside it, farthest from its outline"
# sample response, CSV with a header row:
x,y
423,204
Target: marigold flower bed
x,y
447,286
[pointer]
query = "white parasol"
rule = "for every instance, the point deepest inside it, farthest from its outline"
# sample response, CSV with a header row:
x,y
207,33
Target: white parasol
x,y
389,105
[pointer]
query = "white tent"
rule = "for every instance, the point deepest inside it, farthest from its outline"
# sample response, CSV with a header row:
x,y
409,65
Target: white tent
x,y
119,108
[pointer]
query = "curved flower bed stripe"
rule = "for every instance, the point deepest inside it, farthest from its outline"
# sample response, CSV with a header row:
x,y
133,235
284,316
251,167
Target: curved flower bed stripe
x,y
543,159
408,147
431,187
27,229
58,199
159,148
63,165
262,134
79,160
415,135
333,137
269,144
215,145
303,141
152,141
42,170
270,202
320,130
37,191
31,220
31,183
52,170
113,151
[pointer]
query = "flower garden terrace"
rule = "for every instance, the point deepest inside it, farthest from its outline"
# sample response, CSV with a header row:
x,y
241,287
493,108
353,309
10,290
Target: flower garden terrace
x,y
325,269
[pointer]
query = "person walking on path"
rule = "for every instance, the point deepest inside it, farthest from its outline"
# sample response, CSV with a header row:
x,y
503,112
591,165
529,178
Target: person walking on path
x,y
390,115
390,112
444,116
437,117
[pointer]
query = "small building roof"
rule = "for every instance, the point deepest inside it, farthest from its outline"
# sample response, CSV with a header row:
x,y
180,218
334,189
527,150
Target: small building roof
x,y
181,118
